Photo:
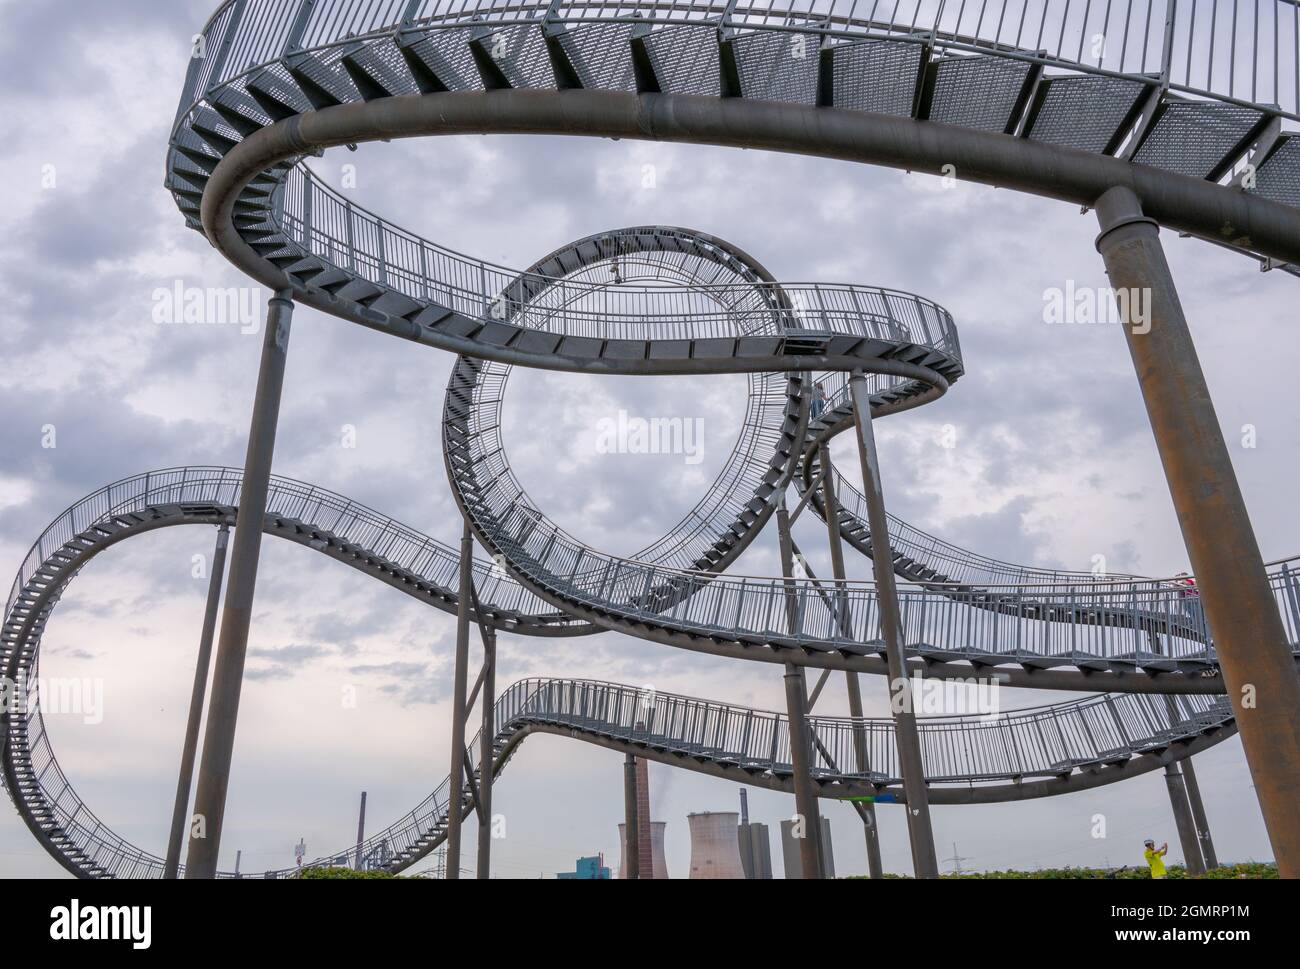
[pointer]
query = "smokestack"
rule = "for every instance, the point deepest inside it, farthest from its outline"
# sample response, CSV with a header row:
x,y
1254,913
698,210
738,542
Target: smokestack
x,y
744,806
659,868
715,845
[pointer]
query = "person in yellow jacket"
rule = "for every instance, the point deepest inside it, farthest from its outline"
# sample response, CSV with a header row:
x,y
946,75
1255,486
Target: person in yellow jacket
x,y
1155,858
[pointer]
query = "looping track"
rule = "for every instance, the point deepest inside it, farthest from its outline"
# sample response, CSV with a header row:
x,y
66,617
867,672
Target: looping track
x,y
281,80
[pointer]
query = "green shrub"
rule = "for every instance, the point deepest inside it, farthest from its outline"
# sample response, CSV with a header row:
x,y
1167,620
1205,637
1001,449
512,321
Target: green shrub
x,y
336,872
1250,869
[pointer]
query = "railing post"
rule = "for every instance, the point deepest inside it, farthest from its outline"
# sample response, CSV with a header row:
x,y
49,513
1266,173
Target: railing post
x,y
188,749
237,614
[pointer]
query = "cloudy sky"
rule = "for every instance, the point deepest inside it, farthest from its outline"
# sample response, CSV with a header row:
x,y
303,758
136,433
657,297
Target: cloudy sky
x,y
1053,464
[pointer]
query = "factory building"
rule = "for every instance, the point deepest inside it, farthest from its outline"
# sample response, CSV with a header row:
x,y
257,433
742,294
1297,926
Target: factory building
x,y
753,842
790,850
587,869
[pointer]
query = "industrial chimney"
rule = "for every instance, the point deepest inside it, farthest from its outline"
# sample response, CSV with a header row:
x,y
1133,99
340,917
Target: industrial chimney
x,y
659,867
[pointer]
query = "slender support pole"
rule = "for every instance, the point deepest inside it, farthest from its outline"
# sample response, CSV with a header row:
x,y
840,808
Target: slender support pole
x,y
487,753
1183,820
1198,814
830,508
185,781
1242,614
805,797
361,830
459,682
237,613
924,859
796,694
631,833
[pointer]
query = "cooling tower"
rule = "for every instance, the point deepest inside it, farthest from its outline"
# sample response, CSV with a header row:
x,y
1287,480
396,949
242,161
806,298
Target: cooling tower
x,y
715,846
656,849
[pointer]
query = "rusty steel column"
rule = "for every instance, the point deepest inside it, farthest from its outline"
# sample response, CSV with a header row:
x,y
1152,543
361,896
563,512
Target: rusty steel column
x,y
460,677
830,509
1183,820
487,744
1198,814
198,691
237,611
925,861
1242,614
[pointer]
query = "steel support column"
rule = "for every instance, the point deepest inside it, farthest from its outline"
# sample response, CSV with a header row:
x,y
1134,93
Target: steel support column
x,y
631,832
1198,814
237,613
924,859
830,509
361,831
460,677
486,756
1183,819
801,740
1242,614
184,783
805,796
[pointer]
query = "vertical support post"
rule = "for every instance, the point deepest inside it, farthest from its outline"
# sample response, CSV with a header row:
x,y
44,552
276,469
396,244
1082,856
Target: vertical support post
x,y
1198,814
1183,819
184,782
237,613
455,799
1249,639
487,753
796,692
925,861
805,798
830,509
631,834
361,830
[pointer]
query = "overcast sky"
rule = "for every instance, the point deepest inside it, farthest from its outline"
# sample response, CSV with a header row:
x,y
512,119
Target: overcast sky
x,y
1054,461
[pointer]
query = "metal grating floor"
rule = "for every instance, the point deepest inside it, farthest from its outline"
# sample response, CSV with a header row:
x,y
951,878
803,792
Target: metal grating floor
x,y
1196,137
777,66
1278,178
382,59
977,92
685,59
879,76
447,54
520,52
602,55
1084,112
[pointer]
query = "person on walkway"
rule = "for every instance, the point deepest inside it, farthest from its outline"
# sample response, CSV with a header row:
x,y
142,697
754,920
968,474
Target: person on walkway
x,y
1155,857
818,401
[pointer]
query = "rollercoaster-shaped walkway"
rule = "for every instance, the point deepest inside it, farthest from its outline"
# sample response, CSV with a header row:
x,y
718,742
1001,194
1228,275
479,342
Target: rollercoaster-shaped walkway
x,y
1149,128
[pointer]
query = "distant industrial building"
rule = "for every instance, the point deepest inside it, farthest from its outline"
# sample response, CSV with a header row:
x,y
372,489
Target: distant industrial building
x,y
588,869
753,842
790,850
715,848
659,865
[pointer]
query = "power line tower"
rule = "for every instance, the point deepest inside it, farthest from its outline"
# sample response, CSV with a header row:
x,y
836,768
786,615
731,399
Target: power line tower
x,y
956,861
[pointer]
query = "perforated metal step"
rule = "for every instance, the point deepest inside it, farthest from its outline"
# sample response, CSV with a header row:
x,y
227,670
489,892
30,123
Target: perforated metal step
x,y
1198,138
1088,113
